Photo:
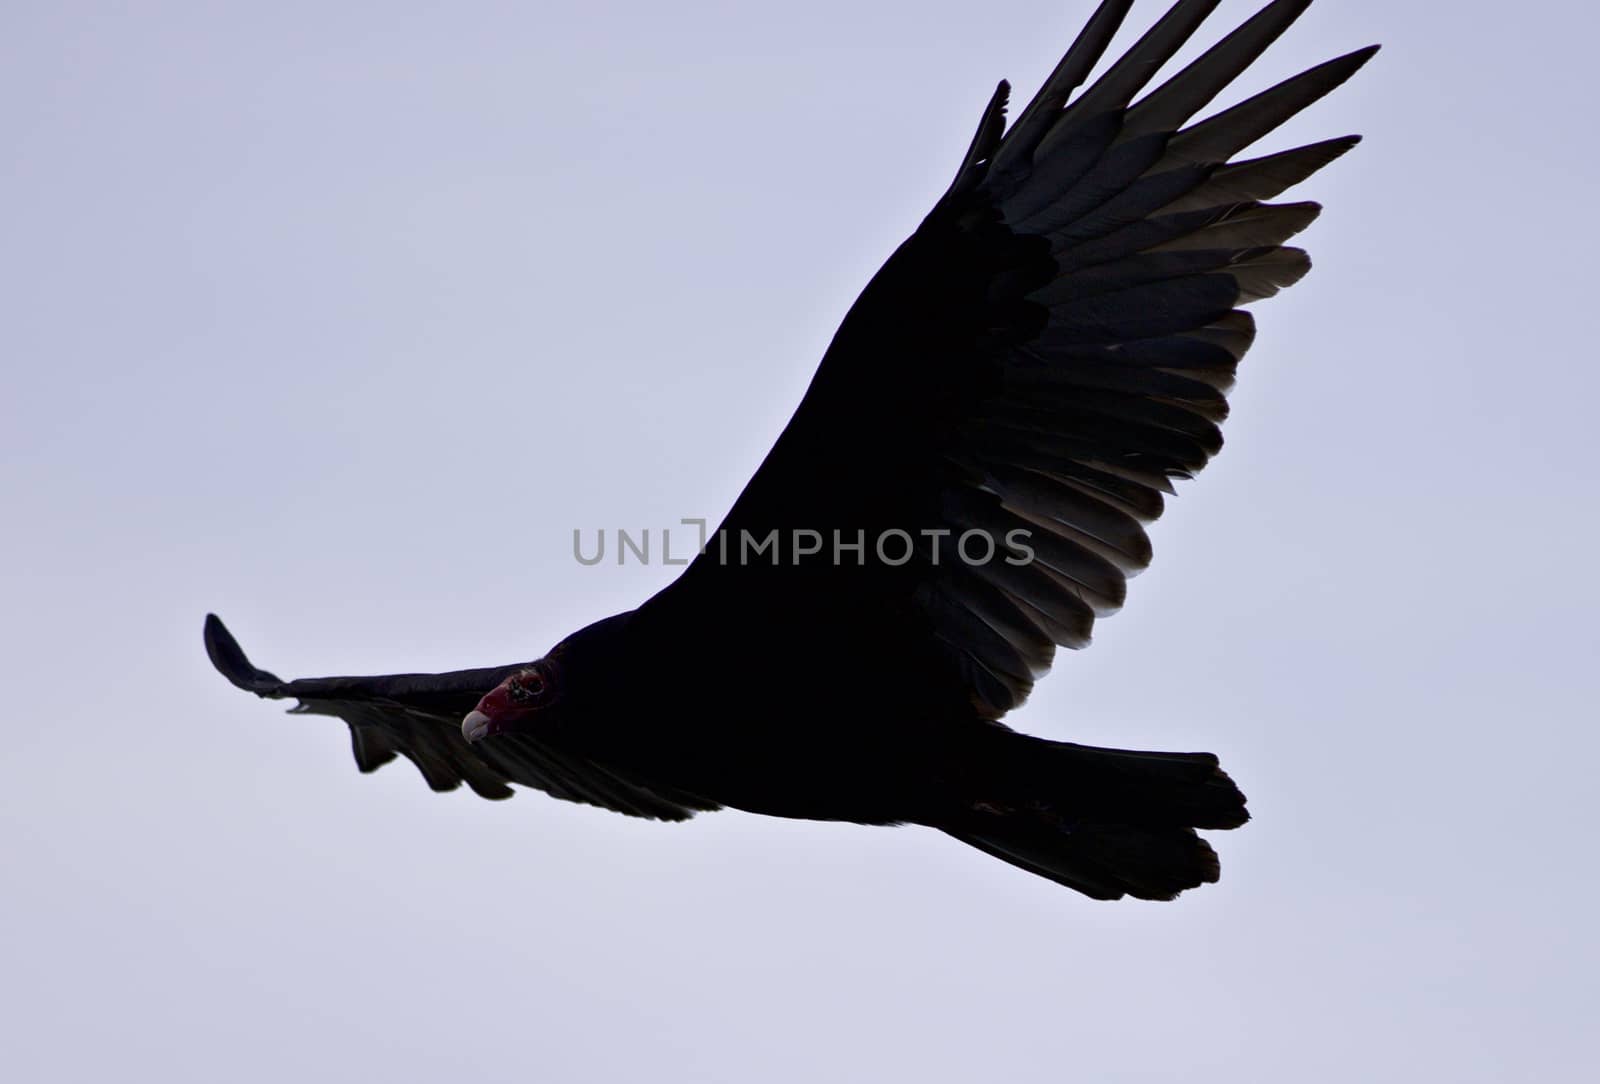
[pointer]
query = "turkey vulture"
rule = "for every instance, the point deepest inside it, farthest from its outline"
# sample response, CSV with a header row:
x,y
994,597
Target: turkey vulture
x,y
963,488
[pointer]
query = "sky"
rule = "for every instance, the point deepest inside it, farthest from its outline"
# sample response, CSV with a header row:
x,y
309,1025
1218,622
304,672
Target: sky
x,y
338,319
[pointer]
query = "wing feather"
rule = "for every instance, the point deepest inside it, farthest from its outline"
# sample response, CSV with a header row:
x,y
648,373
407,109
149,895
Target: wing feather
x,y
1047,353
417,716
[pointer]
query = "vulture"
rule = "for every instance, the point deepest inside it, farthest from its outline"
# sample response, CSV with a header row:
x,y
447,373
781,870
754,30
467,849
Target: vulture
x,y
964,488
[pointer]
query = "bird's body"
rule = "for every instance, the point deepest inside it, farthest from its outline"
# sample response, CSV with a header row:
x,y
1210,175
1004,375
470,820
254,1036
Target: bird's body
x,y
778,727
962,489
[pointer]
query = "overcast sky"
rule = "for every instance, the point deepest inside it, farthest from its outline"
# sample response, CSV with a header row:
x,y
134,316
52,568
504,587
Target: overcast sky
x,y
337,319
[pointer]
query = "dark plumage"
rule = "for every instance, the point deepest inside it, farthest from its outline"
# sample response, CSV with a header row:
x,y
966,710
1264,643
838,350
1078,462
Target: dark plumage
x,y
1045,354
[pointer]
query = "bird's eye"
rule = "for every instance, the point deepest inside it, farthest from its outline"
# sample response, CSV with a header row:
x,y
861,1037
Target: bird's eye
x,y
526,688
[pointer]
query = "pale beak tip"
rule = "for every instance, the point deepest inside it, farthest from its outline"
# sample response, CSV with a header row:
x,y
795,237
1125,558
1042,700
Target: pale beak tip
x,y
475,727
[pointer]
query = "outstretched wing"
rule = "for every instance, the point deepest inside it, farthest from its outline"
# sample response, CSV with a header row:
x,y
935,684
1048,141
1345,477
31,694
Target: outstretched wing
x,y
418,716
1046,353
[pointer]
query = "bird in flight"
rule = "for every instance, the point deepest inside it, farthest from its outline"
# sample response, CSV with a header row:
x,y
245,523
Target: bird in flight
x,y
963,488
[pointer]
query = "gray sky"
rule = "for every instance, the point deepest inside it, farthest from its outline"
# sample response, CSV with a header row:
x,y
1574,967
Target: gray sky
x,y
337,321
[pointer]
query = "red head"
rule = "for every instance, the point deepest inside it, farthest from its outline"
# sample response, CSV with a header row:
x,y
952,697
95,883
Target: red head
x,y
511,704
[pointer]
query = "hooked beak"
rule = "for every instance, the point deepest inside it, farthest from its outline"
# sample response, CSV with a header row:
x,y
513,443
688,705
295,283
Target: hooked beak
x,y
476,726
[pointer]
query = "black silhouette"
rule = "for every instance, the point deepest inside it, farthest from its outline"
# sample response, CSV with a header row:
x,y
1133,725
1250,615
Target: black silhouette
x,y
1028,372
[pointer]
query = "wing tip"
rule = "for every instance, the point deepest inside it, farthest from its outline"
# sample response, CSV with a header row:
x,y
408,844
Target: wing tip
x,y
1351,62
232,663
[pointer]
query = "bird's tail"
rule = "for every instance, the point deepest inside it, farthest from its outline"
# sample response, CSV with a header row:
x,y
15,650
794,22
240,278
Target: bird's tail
x,y
1107,822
